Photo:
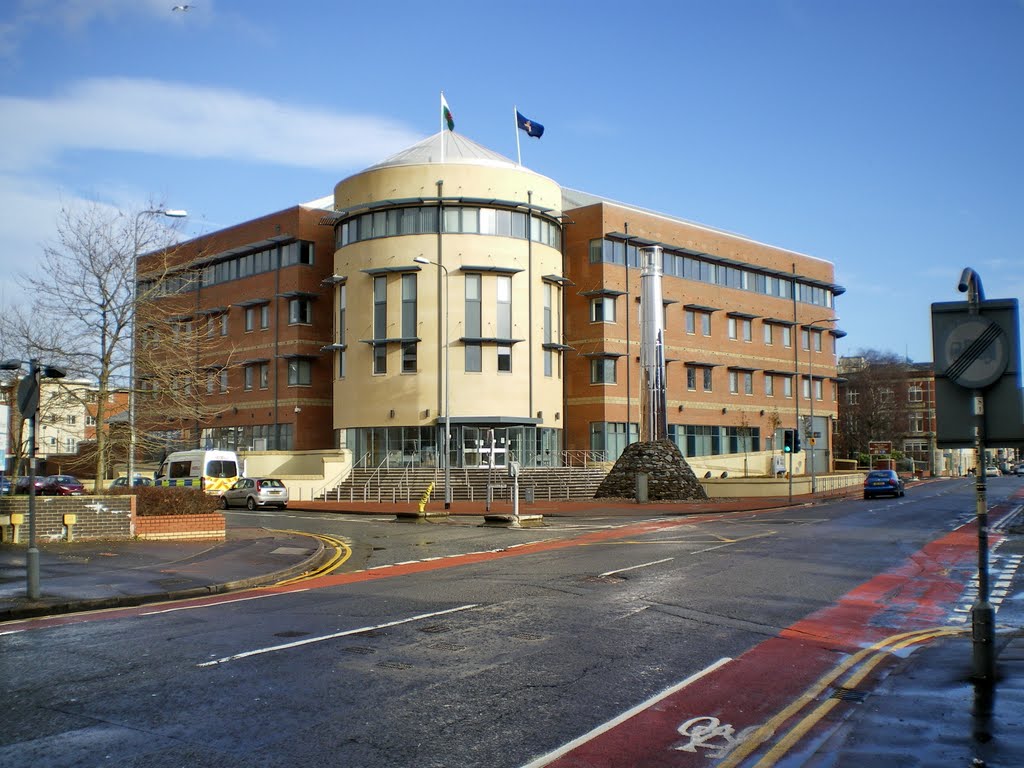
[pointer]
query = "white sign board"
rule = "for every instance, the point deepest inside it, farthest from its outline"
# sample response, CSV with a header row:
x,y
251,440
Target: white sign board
x,y
5,434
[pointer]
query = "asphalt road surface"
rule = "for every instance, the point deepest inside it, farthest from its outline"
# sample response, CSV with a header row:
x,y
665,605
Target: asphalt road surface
x,y
457,645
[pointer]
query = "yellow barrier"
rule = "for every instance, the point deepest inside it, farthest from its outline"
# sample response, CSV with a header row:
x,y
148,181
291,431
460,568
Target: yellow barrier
x,y
426,497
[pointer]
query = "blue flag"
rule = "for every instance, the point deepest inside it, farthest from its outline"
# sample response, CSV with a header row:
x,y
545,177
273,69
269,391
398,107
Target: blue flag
x,y
531,127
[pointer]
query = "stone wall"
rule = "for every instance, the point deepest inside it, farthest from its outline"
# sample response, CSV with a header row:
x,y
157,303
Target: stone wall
x,y
98,517
669,477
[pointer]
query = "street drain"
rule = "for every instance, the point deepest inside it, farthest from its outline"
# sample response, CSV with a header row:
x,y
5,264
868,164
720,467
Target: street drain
x,y
394,665
849,694
436,629
291,633
361,650
448,647
526,636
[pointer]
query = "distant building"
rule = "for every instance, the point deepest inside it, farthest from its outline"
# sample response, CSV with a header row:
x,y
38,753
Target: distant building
x,y
448,284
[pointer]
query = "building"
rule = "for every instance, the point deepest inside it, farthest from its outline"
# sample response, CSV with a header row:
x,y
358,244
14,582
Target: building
x,y
448,289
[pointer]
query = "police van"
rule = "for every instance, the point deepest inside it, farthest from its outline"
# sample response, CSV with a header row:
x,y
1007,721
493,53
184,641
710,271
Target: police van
x,y
212,471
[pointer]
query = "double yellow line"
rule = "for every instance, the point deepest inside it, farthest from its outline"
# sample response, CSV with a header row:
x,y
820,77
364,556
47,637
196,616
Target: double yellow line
x,y
339,554
860,665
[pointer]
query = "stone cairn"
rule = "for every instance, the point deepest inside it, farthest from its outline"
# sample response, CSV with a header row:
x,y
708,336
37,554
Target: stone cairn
x,y
669,477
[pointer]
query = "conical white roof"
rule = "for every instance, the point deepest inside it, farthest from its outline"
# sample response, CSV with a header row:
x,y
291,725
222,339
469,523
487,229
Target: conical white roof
x,y
457,149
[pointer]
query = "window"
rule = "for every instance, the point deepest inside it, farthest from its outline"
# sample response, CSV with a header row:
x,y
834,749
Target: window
x,y
90,421
747,380
602,309
691,321
787,336
916,423
300,373
264,317
805,339
342,306
707,379
734,385
249,376
915,393
602,370
769,385
300,312
732,328
70,420
250,319
264,375
474,323
409,323
691,378
504,310
787,386
223,380
747,328
852,396
380,324
817,341
504,358
768,332
705,323
549,354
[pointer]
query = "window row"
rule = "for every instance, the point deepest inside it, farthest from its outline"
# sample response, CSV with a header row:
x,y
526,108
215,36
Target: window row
x,y
234,268
611,438
253,375
604,370
458,219
257,317
708,271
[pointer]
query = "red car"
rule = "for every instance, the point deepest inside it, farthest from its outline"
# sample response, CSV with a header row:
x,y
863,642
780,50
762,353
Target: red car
x,y
61,485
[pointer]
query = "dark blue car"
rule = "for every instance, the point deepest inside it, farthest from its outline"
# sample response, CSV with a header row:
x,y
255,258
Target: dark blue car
x,y
883,482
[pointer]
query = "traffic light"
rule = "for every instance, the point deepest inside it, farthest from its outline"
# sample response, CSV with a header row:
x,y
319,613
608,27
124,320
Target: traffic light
x,y
796,441
788,438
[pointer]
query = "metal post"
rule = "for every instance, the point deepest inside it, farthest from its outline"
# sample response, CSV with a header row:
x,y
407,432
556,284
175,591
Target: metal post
x,y
32,555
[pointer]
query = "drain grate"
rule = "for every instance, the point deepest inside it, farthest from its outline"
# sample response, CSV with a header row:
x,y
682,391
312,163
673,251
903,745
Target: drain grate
x,y
526,636
849,694
436,629
358,649
394,665
447,647
291,633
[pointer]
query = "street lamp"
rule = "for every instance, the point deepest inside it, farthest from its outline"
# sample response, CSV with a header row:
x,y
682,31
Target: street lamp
x,y
810,384
173,213
28,403
447,408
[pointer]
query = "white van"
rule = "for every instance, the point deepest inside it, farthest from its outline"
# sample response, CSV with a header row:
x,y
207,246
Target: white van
x,y
212,471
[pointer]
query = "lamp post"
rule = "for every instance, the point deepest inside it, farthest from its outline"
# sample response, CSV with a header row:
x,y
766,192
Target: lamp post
x,y
170,213
447,408
810,376
28,403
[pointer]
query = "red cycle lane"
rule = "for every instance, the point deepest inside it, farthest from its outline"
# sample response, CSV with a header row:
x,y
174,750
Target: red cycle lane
x,y
732,713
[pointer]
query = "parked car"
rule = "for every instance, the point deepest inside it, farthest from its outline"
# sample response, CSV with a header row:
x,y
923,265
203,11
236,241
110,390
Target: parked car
x,y
61,485
21,484
883,482
255,493
992,471
122,482
1020,470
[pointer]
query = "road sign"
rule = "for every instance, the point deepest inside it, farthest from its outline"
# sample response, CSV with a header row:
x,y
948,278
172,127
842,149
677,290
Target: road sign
x,y
975,352
880,447
28,396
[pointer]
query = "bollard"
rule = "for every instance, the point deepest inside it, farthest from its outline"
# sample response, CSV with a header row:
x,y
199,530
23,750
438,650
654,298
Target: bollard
x,y
17,520
641,487
69,521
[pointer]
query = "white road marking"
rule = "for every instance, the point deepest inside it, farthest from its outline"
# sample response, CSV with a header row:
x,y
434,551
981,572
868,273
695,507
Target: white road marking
x,y
604,727
345,633
218,603
634,567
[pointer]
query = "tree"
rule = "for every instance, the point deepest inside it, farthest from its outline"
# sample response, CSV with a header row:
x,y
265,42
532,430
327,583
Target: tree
x,y
85,289
874,402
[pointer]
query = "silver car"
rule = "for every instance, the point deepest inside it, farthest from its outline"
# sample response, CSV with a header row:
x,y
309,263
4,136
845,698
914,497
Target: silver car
x,y
255,493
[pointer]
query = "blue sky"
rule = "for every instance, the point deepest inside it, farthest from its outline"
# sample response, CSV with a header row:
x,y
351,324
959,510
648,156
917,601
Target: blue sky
x,y
884,136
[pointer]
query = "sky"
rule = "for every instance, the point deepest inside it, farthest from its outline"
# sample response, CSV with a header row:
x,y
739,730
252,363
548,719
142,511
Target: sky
x,y
883,136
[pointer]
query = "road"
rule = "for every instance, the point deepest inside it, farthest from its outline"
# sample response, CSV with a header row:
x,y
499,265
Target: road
x,y
458,645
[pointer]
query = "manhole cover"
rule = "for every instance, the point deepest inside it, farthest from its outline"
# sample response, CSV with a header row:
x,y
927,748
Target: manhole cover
x,y
358,649
446,647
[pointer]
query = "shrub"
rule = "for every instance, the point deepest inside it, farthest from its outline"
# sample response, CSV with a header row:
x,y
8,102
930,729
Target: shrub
x,y
153,501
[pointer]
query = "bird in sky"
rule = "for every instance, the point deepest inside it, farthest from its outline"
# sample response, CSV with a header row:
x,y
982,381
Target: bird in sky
x,y
184,8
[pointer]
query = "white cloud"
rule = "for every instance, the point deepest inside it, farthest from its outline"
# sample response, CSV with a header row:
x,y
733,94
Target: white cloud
x,y
179,120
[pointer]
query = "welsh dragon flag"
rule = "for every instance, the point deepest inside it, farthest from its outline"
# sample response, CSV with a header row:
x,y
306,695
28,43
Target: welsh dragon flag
x,y
446,114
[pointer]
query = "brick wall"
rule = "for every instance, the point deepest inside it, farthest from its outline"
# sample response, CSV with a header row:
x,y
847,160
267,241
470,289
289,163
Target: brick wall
x,y
181,527
99,517
104,518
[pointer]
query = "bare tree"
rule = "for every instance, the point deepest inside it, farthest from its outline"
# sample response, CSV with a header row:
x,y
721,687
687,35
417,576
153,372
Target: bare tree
x,y
874,401
85,288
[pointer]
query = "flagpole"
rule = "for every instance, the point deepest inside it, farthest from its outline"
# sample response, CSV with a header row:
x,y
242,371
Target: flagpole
x,y
443,137
515,119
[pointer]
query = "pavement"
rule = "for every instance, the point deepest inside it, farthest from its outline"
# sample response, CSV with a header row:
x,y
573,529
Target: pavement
x,y
922,711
